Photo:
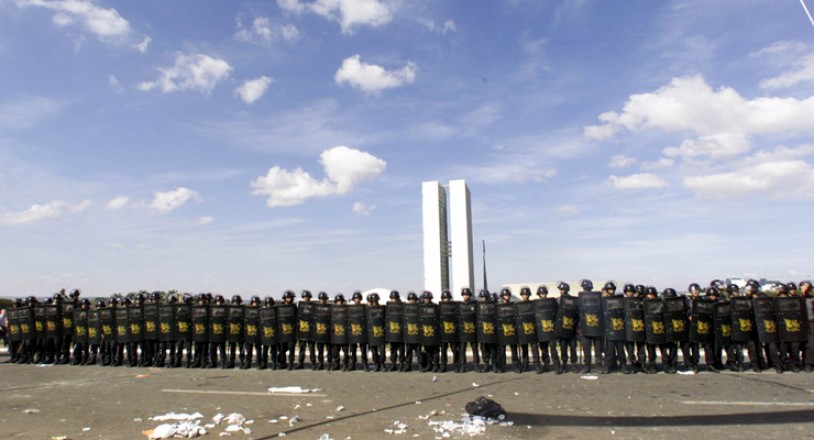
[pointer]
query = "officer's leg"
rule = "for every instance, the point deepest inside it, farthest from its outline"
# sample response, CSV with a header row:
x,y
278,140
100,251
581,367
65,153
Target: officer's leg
x,y
291,348
444,355
312,356
352,348
320,356
515,358
586,355
651,359
710,358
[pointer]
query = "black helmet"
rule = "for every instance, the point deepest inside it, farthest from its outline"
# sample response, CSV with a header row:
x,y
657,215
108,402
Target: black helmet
x,y
126,301
139,297
792,287
610,285
782,289
269,301
84,302
732,288
494,297
484,294
587,285
305,294
629,287
718,284
753,282
236,299
412,296
209,296
640,289
525,291
339,297
542,290
374,296
356,295
650,290
18,302
49,300
693,286
219,299
565,287
172,299
75,294
466,291
446,294
255,301
289,294
713,291
394,294
805,282
57,297
322,295
187,298
114,301
426,295
100,303
155,295
505,292
32,300
669,293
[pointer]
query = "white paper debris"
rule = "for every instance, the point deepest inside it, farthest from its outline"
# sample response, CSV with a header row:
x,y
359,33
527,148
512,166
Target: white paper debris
x,y
185,429
294,420
138,419
466,426
85,429
31,411
294,390
475,385
686,373
435,378
218,418
225,434
340,408
273,421
325,437
178,417
589,377
309,404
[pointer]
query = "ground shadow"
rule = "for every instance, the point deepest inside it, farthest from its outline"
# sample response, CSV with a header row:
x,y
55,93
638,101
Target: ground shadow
x,y
745,418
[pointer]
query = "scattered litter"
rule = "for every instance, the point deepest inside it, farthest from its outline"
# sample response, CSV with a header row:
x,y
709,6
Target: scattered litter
x,y
432,413
273,421
31,411
283,417
225,434
589,377
142,376
475,385
330,417
516,394
294,390
218,418
294,420
85,429
686,373
45,365
340,408
235,419
185,429
466,426
309,404
297,406
325,437
282,434
486,408
398,428
59,437
435,378
210,425
138,420
418,402
179,417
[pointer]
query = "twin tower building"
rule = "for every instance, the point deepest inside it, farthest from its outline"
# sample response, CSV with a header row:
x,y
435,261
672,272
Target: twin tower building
x,y
447,227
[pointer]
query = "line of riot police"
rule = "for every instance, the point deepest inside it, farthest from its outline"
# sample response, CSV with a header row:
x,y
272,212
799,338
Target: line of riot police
x,y
625,333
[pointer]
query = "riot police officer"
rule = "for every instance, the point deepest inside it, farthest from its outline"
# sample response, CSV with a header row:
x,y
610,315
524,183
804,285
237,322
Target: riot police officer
x,y
339,356
651,294
251,334
356,300
430,355
411,346
449,332
487,336
693,347
183,326
592,333
81,349
394,331
323,342
268,320
151,329
614,348
287,348
218,322
568,343
375,326
526,331
635,345
743,327
546,315
168,336
467,331
235,348
304,313
507,332
15,332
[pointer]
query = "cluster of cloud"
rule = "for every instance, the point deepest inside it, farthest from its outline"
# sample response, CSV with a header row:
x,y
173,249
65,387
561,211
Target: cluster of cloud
x,y
49,211
442,29
253,89
348,13
371,78
263,30
360,208
344,168
191,72
637,181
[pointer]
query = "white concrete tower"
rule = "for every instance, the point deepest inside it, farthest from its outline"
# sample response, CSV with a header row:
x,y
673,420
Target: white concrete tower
x,y
436,243
460,222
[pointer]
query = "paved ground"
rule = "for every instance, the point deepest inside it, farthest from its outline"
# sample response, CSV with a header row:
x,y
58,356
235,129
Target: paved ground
x,y
67,400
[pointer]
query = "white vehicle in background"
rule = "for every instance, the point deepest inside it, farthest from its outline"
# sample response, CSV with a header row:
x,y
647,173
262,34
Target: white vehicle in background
x,y
770,286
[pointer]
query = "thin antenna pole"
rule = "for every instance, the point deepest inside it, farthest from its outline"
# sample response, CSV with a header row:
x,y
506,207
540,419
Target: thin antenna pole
x,y
808,13
485,286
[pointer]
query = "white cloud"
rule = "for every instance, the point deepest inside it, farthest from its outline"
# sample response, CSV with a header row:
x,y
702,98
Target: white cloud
x,y
105,23
253,89
360,208
35,213
637,181
655,165
114,84
190,72
448,26
621,161
170,200
348,13
205,220
722,119
344,168
145,43
262,29
116,203
568,209
289,32
372,78
803,72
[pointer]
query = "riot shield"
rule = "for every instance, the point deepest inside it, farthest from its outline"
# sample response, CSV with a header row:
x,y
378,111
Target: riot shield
x,y
135,320
107,324
526,331
374,318
792,322
166,322
219,320
614,312
234,321
80,321
268,321
27,326
702,325
286,323
449,312
467,322
654,321
765,320
14,332
810,308
743,319
545,311
67,318
339,324
412,325
506,324
567,318
722,315
122,326
486,315
634,320
357,334
53,321
590,314
150,321
39,320
200,323
321,330
183,322
251,325
94,327
394,319
305,318
675,319
430,319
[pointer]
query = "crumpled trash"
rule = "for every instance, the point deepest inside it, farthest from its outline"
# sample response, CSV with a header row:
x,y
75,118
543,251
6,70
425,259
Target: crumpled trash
x,y
398,428
485,407
340,408
185,429
31,411
235,419
589,377
294,390
178,417
467,426
294,420
325,437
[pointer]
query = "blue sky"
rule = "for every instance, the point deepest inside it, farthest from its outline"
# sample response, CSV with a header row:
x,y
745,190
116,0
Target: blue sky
x,y
253,147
